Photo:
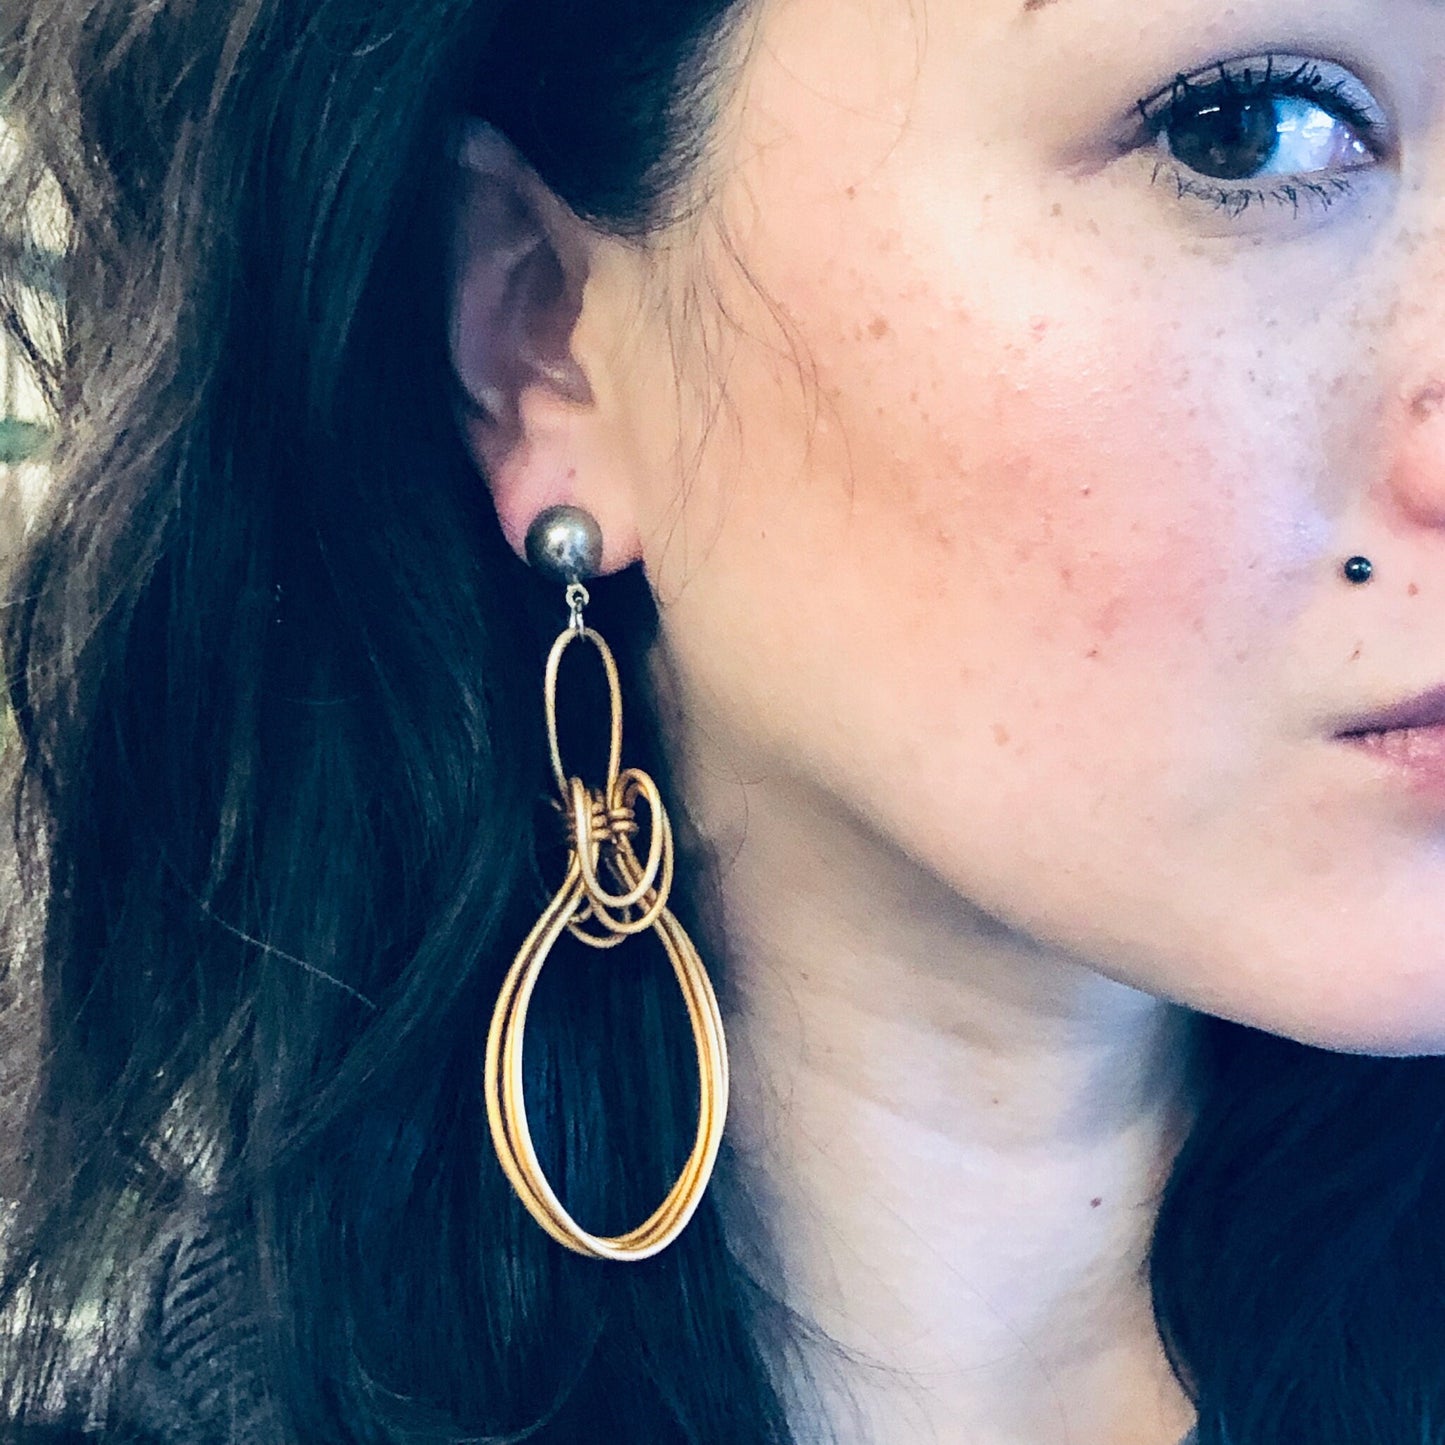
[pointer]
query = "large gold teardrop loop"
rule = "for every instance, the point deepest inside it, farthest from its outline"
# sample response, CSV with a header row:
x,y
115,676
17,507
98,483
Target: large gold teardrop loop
x,y
601,826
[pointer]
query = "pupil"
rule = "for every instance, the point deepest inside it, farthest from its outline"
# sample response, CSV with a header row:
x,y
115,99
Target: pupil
x,y
1230,140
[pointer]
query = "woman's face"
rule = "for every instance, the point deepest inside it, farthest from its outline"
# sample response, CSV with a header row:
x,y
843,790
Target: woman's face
x,y
1033,396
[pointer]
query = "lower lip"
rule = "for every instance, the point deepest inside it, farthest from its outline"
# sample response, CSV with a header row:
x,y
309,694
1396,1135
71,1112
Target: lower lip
x,y
1419,753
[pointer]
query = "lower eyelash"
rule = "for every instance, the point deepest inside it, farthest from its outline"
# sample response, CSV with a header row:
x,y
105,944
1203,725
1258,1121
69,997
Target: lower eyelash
x,y
1292,194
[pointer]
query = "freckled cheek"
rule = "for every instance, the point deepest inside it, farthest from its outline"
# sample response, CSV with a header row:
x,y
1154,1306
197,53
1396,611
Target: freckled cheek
x,y
1074,497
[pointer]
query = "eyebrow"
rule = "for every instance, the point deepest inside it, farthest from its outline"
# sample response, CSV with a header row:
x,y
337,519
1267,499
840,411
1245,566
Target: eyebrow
x,y
1031,5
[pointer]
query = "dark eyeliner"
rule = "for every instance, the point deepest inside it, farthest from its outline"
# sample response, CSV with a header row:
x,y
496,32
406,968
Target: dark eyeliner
x,y
1234,80
1265,76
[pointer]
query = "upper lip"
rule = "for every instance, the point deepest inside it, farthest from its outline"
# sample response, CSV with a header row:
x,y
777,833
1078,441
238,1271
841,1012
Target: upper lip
x,y
1426,710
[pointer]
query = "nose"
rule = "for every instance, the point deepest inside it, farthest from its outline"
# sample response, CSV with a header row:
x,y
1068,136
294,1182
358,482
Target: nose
x,y
1417,473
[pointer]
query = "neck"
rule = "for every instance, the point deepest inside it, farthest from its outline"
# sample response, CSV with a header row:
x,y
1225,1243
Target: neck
x,y
957,1135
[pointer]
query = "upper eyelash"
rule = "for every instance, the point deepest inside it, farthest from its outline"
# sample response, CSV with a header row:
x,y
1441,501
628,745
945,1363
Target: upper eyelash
x,y
1301,78
1235,78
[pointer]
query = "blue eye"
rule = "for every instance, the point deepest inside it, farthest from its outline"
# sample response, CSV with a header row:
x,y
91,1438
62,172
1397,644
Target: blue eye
x,y
1253,120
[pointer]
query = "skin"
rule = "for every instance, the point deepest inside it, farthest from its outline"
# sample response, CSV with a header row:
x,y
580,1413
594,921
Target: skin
x,y
994,496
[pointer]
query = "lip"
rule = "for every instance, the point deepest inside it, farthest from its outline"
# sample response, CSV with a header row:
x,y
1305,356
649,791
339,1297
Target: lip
x,y
1425,711
1415,755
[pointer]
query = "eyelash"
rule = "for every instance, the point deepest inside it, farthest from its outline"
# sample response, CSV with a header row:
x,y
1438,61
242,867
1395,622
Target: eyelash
x,y
1188,95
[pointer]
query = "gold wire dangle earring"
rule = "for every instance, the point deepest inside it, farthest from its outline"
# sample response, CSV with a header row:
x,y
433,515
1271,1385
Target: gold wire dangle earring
x,y
566,544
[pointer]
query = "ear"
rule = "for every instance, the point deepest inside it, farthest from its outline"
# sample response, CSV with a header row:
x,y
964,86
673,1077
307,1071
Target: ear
x,y
540,412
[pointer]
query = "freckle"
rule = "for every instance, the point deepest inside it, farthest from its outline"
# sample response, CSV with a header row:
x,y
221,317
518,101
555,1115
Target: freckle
x,y
878,328
851,192
1066,576
1413,589
913,397
1056,209
1427,402
1095,1202
1359,649
1000,735
1111,616
1092,653
1086,491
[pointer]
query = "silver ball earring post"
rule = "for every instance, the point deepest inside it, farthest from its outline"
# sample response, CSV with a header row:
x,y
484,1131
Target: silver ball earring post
x,y
565,544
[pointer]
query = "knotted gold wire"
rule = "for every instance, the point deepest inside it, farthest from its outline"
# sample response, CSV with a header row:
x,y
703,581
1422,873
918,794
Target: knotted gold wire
x,y
601,820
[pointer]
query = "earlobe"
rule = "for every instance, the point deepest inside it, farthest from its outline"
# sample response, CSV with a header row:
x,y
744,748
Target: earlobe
x,y
518,275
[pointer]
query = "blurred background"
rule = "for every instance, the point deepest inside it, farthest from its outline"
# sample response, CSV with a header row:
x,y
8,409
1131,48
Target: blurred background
x,y
24,426
29,258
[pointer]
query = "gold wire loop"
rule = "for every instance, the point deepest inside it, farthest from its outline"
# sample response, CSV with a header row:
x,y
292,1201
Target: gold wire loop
x,y
601,826
619,822
614,747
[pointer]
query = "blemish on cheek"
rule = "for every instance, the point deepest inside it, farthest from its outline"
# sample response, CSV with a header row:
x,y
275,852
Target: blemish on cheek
x,y
1427,401
878,328
1358,652
1111,616
1095,1202
1000,735
1413,589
